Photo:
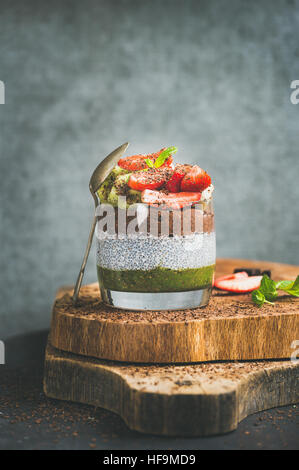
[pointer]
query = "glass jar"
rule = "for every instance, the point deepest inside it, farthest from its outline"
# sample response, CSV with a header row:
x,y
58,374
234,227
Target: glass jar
x,y
156,258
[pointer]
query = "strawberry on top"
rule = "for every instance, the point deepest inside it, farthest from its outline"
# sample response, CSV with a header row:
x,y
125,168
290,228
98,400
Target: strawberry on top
x,y
138,162
174,185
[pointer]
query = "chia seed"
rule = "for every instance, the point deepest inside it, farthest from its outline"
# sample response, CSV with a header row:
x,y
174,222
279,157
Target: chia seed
x,y
147,252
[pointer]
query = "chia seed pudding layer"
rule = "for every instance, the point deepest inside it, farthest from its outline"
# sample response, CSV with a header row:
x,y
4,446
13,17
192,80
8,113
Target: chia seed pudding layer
x,y
148,252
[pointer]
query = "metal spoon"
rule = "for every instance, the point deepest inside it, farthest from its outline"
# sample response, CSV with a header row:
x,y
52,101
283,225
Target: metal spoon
x,y
100,173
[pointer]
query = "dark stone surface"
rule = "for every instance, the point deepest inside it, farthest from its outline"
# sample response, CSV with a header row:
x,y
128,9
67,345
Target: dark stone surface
x,y
29,420
211,77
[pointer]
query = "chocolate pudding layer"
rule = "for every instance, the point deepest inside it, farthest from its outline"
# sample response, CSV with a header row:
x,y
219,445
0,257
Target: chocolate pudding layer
x,y
159,222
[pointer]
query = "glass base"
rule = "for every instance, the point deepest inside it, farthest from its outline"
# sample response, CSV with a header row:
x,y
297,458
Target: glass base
x,y
156,301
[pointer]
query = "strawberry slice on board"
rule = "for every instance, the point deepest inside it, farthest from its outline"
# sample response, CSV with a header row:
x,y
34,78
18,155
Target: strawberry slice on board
x,y
238,283
171,200
152,178
174,184
137,162
239,275
195,180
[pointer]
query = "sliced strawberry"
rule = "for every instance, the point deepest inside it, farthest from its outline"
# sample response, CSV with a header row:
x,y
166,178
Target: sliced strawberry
x,y
238,275
195,180
172,200
174,184
239,283
153,178
133,163
137,162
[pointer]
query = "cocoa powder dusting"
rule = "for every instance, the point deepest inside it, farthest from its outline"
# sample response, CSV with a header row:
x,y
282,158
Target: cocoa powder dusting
x,y
221,305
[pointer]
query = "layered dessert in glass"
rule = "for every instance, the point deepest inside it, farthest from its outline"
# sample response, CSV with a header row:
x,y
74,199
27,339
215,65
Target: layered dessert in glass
x,y
156,247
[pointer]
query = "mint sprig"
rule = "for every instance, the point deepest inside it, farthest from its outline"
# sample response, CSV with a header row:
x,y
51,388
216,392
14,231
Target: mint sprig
x,y
291,287
162,157
259,298
149,162
268,288
267,291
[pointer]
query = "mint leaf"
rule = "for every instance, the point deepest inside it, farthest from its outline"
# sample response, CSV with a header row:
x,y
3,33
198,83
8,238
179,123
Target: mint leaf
x,y
149,162
291,287
282,285
164,155
258,297
268,288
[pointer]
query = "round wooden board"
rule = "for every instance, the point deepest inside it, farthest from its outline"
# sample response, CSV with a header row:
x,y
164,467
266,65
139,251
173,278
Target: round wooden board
x,y
186,400
231,327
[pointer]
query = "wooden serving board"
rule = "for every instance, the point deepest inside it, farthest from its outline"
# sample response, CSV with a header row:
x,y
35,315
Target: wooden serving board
x,y
231,327
187,400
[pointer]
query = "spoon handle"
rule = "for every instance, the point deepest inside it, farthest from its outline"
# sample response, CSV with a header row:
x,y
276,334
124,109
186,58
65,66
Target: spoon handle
x,y
82,269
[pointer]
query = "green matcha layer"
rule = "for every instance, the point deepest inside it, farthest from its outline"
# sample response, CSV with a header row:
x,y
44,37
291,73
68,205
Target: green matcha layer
x,y
156,280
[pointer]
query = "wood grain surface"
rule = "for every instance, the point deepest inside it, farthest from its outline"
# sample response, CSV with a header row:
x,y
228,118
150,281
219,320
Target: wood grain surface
x,y
187,400
231,327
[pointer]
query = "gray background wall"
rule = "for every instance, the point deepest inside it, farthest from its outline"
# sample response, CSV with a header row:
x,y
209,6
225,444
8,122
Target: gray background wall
x,y
211,77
